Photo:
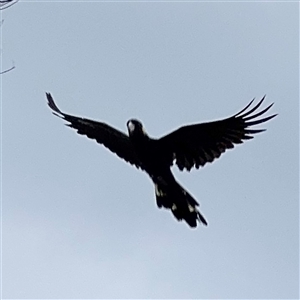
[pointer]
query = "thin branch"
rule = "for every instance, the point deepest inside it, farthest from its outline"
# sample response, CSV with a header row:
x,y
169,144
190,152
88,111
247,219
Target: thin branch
x,y
5,71
4,4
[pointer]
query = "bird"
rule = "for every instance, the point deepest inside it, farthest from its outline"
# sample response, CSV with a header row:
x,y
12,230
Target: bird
x,y
188,147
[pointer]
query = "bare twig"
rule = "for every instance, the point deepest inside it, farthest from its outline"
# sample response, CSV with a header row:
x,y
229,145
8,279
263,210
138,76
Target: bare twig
x,y
5,71
4,4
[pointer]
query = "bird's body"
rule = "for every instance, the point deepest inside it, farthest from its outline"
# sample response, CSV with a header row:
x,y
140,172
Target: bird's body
x,y
189,146
154,160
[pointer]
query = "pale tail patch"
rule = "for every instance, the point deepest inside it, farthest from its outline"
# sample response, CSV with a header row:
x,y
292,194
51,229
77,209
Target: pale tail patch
x,y
159,192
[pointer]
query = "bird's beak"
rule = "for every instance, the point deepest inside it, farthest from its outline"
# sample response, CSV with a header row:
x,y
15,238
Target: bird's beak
x,y
131,126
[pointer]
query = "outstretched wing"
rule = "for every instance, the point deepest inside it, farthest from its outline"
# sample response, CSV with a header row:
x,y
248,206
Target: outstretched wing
x,y
115,140
195,145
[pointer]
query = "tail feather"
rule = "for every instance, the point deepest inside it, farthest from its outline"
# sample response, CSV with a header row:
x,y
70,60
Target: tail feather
x,y
179,201
202,219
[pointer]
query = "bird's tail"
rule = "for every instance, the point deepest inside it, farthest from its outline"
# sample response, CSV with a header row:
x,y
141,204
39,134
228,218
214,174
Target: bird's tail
x,y
174,197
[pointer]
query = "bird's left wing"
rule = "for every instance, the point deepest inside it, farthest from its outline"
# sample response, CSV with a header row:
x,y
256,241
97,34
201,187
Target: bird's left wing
x,y
195,145
115,140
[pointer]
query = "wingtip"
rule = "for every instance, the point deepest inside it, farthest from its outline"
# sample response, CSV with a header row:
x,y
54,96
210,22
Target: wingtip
x,y
239,114
52,104
245,108
49,97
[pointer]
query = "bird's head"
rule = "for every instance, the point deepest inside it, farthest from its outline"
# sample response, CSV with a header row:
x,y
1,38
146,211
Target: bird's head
x,y
135,128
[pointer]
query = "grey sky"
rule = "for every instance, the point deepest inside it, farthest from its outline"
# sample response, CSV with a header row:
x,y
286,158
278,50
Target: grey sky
x,y
78,222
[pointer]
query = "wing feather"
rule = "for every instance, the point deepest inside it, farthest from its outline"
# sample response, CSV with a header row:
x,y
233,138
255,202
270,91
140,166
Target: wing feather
x,y
195,145
115,140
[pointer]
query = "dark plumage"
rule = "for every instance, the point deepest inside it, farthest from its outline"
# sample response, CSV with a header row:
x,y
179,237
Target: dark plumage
x,y
189,146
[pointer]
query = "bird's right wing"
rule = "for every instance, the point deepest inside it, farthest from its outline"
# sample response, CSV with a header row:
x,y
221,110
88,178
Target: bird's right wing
x,y
115,140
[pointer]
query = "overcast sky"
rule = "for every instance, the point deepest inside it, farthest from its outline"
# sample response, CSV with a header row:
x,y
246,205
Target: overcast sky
x,y
77,221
